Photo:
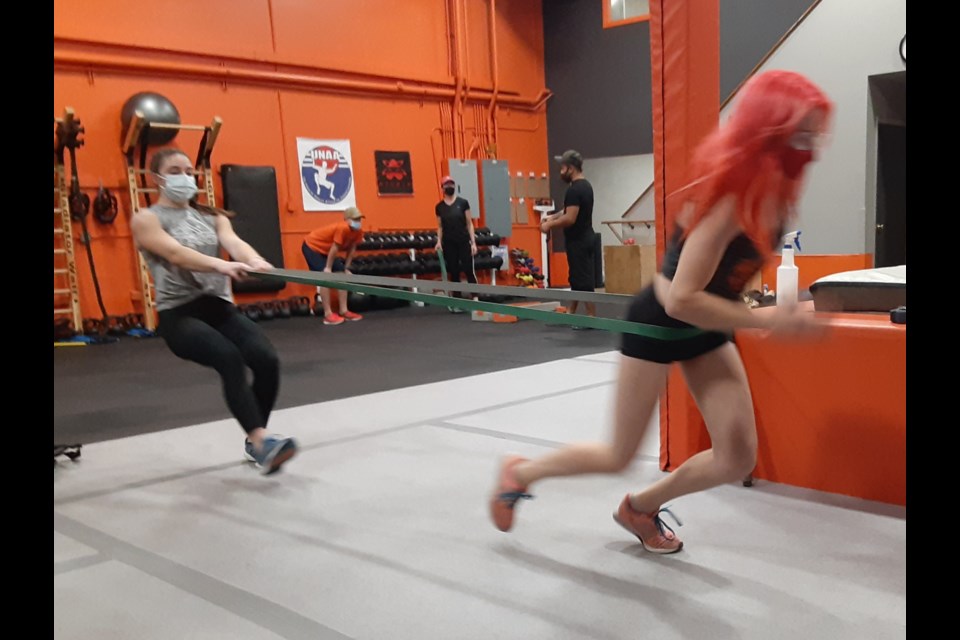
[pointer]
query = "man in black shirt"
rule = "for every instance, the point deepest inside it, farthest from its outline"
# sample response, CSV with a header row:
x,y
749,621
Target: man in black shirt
x,y
455,235
576,220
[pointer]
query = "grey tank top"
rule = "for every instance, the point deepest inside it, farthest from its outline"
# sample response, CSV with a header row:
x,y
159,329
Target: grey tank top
x,y
176,286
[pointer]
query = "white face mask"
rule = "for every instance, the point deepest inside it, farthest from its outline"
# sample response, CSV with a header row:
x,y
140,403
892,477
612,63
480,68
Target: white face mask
x,y
354,224
179,187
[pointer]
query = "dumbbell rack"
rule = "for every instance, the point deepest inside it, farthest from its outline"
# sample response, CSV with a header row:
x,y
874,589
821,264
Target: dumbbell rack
x,y
136,136
417,245
63,238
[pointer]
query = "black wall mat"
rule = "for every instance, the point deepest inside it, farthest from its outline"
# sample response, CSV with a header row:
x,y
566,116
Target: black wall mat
x,y
251,192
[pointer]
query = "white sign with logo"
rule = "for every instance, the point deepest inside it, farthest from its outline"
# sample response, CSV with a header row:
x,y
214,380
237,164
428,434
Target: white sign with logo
x,y
326,174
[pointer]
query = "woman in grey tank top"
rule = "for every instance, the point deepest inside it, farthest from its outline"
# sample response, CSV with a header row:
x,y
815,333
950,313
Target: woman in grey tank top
x,y
182,242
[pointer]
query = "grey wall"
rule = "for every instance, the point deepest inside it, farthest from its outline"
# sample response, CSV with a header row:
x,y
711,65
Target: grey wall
x,y
600,79
840,46
617,183
748,30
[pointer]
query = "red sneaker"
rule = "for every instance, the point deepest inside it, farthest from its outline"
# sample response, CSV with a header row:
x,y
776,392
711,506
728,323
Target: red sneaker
x,y
352,317
654,534
506,494
332,319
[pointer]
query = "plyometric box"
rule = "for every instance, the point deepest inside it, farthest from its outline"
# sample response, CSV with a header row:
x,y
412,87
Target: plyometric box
x,y
629,268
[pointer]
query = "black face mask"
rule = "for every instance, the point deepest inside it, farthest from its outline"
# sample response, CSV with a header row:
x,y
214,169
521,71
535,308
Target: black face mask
x,y
449,190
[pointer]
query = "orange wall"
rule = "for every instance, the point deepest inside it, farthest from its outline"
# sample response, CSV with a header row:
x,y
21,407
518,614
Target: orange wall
x,y
96,43
812,268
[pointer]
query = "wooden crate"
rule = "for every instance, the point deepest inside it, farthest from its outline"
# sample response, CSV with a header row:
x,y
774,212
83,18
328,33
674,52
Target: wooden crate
x,y
628,268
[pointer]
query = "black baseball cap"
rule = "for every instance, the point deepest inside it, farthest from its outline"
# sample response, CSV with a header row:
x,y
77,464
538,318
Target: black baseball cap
x,y
571,158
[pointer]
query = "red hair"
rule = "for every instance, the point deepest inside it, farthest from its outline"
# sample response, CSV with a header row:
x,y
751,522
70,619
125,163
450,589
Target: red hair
x,y
742,157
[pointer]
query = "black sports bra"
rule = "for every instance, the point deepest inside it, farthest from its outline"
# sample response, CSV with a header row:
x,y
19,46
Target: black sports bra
x,y
740,262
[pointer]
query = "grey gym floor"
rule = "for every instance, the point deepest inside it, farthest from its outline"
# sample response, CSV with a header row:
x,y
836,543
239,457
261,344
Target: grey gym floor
x,y
137,386
378,529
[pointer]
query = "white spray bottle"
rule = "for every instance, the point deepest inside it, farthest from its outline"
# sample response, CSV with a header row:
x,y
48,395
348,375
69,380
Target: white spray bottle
x,y
787,272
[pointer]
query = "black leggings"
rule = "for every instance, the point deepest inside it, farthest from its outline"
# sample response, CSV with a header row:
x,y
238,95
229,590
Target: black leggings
x,y
459,259
212,332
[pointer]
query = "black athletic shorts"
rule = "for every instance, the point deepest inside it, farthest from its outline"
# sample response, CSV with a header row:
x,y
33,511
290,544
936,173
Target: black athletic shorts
x,y
646,309
581,260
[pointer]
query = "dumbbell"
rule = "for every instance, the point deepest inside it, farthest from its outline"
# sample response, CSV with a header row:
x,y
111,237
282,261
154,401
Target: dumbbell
x,y
267,311
116,325
283,309
389,264
389,267
380,266
299,305
252,311
62,329
134,321
92,326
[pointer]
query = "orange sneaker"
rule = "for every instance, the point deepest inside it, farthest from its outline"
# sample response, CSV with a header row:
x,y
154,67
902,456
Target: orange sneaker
x,y
332,319
351,316
506,494
654,534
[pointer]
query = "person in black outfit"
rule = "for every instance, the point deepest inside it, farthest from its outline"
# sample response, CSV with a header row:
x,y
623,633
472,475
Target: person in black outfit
x,y
576,220
455,235
744,183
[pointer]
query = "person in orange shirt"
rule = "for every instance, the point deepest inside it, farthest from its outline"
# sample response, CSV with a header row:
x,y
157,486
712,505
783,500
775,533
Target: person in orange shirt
x,y
322,248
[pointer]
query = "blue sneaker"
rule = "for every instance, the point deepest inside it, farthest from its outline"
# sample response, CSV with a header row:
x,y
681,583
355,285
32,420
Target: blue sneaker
x,y
248,451
274,453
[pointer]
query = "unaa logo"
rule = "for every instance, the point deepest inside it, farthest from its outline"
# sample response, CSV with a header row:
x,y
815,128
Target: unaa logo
x,y
326,174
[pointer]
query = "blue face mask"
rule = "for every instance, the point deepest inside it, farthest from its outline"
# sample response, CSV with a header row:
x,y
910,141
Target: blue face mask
x,y
354,224
179,187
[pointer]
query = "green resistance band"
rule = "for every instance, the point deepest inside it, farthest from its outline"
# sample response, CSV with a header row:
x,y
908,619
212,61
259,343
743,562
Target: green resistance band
x,y
552,295
351,283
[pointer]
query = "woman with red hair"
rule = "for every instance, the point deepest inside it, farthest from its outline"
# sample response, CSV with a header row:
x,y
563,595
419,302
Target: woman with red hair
x,y
746,180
